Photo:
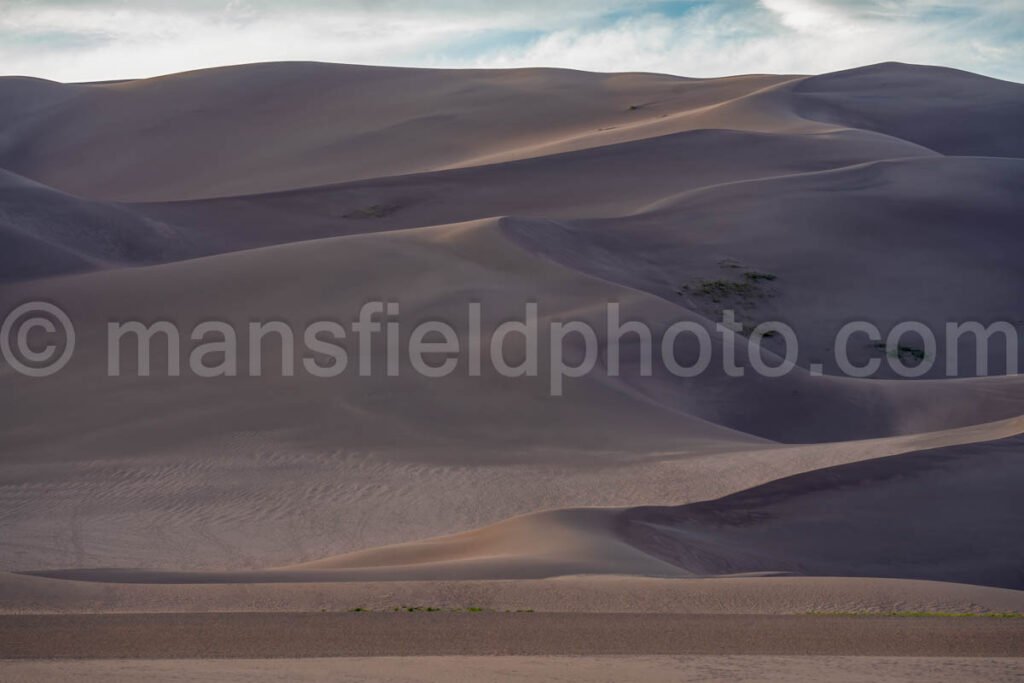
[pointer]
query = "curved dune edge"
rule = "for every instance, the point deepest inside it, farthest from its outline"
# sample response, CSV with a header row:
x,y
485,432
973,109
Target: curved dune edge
x,y
946,513
941,514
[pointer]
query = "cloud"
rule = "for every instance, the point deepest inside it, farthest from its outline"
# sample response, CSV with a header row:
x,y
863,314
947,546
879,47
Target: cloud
x,y
105,39
791,36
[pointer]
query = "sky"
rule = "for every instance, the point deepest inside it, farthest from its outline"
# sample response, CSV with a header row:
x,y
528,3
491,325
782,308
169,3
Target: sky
x,y
83,40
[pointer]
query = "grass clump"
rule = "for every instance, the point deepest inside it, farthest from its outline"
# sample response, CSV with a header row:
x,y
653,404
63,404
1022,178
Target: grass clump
x,y
412,609
721,289
373,211
902,351
716,290
911,352
754,276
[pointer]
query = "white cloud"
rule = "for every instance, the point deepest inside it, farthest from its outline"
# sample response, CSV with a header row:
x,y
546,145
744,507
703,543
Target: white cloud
x,y
807,15
789,36
133,42
105,39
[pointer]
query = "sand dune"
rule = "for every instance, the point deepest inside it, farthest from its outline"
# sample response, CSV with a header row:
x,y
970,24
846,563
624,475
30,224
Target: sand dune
x,y
45,232
343,449
978,120
239,129
299,191
946,514
611,180
818,234
248,136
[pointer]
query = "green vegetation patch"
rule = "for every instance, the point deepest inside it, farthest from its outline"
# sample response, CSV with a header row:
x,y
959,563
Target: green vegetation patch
x,y
716,290
719,290
754,276
902,351
373,211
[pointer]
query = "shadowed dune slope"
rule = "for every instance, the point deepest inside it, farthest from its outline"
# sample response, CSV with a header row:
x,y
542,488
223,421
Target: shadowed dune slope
x,y
928,239
967,114
44,232
949,514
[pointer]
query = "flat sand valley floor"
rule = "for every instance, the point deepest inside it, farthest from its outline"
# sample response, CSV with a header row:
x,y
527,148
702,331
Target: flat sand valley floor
x,y
443,646
595,669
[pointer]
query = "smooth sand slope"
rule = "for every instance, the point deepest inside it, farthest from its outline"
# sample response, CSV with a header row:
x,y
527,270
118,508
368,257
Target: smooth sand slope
x,y
881,242
46,232
946,514
342,123
297,192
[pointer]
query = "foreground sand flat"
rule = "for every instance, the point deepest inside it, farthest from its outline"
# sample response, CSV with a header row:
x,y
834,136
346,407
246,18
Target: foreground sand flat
x,y
291,635
601,669
725,595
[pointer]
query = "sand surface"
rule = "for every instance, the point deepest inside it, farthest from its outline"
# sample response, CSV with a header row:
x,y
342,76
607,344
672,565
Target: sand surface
x,y
274,635
299,191
724,595
609,668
